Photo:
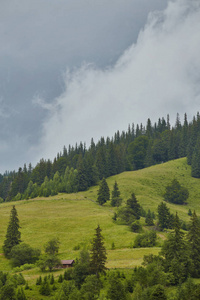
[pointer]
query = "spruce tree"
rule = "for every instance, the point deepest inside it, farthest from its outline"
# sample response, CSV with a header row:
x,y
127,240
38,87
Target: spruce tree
x,y
195,166
165,219
103,192
194,244
133,205
13,234
176,254
116,199
98,254
149,219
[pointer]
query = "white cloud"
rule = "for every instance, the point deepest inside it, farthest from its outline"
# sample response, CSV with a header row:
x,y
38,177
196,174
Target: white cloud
x,y
158,75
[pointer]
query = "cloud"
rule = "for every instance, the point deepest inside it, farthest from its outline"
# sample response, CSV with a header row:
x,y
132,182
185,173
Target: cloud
x,y
156,76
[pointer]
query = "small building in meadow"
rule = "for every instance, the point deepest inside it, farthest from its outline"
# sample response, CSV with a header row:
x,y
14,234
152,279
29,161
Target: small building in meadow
x,y
67,263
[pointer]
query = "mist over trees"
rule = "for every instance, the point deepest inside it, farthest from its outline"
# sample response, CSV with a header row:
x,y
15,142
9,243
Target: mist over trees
x,y
76,168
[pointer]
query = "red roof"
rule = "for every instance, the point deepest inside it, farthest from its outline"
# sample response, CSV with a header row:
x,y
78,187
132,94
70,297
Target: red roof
x,y
67,262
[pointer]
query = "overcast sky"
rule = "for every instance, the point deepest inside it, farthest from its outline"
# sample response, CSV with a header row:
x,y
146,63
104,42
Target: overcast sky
x,y
76,69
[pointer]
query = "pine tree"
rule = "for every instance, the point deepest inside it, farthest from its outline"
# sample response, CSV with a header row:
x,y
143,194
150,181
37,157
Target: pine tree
x,y
196,160
116,199
98,254
165,219
134,206
13,234
20,294
103,192
176,254
194,244
149,219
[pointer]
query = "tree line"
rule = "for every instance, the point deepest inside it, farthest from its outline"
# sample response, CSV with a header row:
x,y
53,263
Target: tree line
x,y
77,168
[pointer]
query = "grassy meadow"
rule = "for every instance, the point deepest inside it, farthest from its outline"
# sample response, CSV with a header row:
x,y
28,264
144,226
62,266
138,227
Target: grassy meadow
x,y
73,217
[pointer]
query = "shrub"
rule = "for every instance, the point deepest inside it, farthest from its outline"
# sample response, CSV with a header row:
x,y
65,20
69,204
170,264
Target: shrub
x,y
136,226
22,254
147,239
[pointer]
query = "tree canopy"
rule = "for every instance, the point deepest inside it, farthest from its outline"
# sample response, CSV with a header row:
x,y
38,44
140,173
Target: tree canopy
x,y
175,193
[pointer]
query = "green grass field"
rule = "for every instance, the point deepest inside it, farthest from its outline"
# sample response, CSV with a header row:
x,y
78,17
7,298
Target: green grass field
x,y
73,217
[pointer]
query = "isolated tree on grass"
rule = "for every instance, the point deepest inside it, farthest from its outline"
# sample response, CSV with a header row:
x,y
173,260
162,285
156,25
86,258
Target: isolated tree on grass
x,y
103,192
98,254
133,204
175,193
23,254
116,199
13,234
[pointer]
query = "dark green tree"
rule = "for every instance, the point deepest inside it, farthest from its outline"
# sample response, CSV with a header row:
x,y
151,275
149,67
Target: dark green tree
x,y
158,293
133,204
45,289
90,289
149,219
176,254
82,174
165,219
194,244
81,269
136,226
103,192
23,254
116,289
137,152
98,254
175,193
116,199
13,234
195,166
50,259
112,159
20,294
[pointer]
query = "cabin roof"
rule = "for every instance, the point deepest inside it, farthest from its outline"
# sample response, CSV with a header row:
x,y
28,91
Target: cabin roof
x,y
67,261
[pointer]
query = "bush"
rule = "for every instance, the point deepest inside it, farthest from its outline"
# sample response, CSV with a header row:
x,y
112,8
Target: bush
x,y
24,267
147,239
22,254
136,226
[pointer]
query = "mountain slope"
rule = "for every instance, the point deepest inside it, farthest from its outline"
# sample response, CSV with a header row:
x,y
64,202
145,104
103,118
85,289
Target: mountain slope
x,y
73,217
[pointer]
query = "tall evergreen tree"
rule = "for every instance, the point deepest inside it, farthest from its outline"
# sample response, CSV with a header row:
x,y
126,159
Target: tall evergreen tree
x,y
149,219
134,206
194,244
13,234
196,160
98,254
116,199
165,219
103,192
176,254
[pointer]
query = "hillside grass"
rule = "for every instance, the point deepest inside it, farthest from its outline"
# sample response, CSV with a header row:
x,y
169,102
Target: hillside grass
x,y
73,217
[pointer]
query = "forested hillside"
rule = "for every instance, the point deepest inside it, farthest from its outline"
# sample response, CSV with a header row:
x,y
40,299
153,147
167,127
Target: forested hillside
x,y
77,168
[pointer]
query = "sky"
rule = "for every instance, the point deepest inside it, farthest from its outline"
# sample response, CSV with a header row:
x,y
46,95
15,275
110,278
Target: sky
x,y
80,69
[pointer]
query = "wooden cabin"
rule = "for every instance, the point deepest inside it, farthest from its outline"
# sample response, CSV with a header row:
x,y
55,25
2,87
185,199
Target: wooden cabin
x,y
67,263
